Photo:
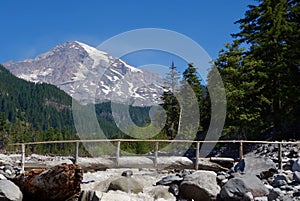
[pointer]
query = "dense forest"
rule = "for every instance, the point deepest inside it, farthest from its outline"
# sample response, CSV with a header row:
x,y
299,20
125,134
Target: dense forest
x,y
260,70
42,112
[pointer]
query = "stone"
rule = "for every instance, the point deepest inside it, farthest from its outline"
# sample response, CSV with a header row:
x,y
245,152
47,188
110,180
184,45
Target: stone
x,y
90,195
57,183
296,176
281,177
95,164
174,162
2,177
278,183
126,184
160,192
261,198
210,166
116,196
127,173
296,165
262,167
174,189
169,180
200,185
274,194
236,188
9,191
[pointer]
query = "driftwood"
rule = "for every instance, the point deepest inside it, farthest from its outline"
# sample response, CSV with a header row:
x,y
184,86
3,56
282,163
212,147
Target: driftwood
x,y
57,183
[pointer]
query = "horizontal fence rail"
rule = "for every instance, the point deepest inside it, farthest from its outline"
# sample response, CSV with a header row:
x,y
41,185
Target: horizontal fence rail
x,y
156,141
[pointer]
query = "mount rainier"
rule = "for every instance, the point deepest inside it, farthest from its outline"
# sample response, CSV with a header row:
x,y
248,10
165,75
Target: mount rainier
x,y
90,75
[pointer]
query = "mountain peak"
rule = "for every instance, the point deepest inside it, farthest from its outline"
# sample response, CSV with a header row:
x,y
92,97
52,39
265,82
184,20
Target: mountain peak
x,y
87,73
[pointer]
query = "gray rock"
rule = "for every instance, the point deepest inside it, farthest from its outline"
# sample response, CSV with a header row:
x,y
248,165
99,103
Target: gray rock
x,y
296,176
161,192
281,177
169,180
236,188
126,184
274,194
2,177
296,165
174,162
90,196
174,189
200,186
278,183
261,198
94,164
210,166
127,173
262,167
9,191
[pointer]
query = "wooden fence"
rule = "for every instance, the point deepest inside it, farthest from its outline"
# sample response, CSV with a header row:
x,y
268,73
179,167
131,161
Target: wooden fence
x,y
119,141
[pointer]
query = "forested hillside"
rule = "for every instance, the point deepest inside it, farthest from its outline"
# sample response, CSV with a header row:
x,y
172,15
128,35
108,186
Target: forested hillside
x,y
42,112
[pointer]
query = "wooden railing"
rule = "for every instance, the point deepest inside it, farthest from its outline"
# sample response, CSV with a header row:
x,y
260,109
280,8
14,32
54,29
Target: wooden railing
x,y
156,149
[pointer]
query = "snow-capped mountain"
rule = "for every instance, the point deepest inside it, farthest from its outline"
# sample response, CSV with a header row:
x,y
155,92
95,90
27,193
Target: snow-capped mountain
x,y
90,75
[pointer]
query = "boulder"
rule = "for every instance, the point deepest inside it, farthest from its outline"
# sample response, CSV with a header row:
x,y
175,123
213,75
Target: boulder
x,y
90,195
127,173
57,183
126,184
296,165
275,194
161,192
2,177
117,196
168,180
174,162
9,191
200,185
262,167
296,176
238,187
210,166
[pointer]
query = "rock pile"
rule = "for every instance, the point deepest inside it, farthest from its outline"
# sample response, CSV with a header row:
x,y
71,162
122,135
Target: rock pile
x,y
257,177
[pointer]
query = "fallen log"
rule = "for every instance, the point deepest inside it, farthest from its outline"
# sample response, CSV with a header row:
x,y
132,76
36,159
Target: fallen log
x,y
57,183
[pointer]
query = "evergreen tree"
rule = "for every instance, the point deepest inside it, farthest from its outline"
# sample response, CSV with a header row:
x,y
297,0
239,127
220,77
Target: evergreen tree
x,y
269,28
193,81
170,103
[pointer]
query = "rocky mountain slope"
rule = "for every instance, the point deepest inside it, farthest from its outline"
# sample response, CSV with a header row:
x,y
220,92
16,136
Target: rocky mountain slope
x,y
90,75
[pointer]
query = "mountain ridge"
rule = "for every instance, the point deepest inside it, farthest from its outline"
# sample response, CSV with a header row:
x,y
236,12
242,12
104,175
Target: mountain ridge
x,y
90,75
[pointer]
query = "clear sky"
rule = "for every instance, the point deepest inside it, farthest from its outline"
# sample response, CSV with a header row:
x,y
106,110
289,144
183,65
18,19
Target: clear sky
x,y
30,27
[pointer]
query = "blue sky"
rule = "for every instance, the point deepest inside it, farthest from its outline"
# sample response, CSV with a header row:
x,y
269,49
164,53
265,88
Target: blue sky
x,y
29,28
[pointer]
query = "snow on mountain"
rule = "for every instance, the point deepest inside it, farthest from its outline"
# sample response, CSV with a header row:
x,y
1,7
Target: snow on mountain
x,y
90,75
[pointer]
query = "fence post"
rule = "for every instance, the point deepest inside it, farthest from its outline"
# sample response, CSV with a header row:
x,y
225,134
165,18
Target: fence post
x,y
241,151
76,152
280,156
22,158
118,153
197,156
156,154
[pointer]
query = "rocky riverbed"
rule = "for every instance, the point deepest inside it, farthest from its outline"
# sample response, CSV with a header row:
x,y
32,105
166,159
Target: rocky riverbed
x,y
257,177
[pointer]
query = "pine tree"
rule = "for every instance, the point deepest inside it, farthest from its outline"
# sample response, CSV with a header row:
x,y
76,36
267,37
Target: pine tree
x,y
170,103
193,81
271,28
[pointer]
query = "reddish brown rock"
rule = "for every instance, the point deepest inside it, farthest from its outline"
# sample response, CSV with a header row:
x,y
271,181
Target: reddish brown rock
x,y
57,183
